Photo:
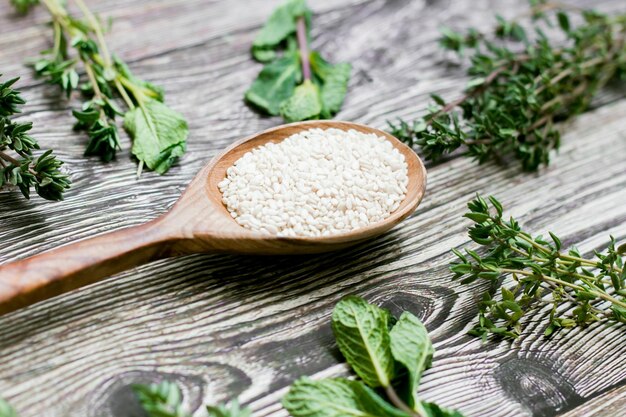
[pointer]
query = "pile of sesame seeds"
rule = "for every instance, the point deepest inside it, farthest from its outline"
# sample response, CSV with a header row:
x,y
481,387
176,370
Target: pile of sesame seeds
x,y
316,183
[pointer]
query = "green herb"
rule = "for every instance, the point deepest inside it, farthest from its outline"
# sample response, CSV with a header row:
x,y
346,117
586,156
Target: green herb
x,y
297,84
384,353
517,95
18,166
23,6
231,409
542,273
6,410
411,347
166,400
161,400
159,133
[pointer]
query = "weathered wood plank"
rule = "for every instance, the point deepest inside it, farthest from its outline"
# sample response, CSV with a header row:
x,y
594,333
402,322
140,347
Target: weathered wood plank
x,y
248,326
613,403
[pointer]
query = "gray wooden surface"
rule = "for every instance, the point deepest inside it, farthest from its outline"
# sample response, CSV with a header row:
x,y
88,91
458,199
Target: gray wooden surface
x,y
225,326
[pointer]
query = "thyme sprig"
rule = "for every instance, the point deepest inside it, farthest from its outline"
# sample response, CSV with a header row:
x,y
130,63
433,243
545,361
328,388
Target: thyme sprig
x,y
517,95
18,167
158,132
541,272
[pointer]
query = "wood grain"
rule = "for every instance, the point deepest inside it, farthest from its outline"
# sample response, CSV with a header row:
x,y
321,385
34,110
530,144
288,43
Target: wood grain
x,y
228,326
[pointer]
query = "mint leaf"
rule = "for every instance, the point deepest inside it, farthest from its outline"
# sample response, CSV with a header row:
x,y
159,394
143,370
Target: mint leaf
x,y
411,346
6,410
160,400
280,25
433,410
335,88
305,103
275,83
334,82
336,398
159,134
231,409
361,330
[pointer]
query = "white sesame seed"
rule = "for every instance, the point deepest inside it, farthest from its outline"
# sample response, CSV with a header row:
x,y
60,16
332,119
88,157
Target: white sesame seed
x,y
316,183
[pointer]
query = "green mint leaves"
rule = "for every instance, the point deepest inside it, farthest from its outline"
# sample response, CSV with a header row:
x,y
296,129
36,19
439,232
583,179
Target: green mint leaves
x,y
336,398
276,83
304,104
279,27
362,334
385,354
159,134
335,82
289,86
411,346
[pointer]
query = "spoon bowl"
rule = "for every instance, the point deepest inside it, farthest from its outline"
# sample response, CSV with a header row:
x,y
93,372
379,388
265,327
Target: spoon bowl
x,y
198,222
221,232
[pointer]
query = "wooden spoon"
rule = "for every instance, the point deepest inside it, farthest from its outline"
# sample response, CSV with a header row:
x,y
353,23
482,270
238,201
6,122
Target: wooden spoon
x,y
198,222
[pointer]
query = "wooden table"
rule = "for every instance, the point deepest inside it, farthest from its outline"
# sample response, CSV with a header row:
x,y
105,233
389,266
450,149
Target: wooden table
x,y
226,326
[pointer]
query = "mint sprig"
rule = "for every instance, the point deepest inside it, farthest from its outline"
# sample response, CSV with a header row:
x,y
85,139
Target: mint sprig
x,y
389,356
158,132
384,353
295,83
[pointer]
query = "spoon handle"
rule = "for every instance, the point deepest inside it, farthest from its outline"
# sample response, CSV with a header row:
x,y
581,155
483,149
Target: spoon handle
x,y
60,270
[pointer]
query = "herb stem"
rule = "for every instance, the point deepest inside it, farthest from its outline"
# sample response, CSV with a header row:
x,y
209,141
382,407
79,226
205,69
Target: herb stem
x,y
9,158
533,243
397,401
479,89
124,94
96,88
95,26
562,258
600,294
106,55
57,38
15,162
304,47
572,299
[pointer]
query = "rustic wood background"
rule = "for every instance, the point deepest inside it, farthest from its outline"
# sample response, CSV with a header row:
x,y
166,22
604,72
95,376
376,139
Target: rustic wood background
x,y
226,326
